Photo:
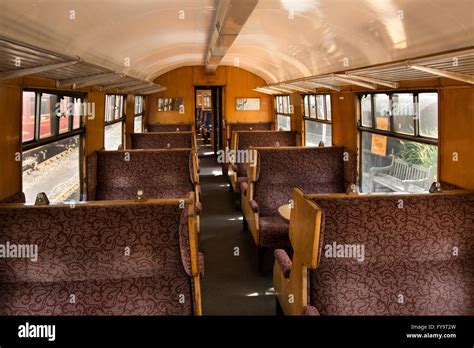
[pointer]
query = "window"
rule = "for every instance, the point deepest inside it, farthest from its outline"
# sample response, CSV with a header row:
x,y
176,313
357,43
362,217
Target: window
x,y
138,112
52,129
399,138
283,112
114,120
317,119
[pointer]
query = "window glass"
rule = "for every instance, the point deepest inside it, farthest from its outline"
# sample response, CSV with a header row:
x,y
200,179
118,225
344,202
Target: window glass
x,y
53,169
306,105
403,109
284,122
428,109
366,110
77,113
328,107
312,105
28,119
285,105
63,113
113,136
382,111
380,171
315,132
138,124
48,106
320,107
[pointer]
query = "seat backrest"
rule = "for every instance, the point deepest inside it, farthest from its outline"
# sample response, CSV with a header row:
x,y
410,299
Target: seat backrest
x,y
395,255
245,139
312,169
240,126
178,127
102,252
163,140
116,175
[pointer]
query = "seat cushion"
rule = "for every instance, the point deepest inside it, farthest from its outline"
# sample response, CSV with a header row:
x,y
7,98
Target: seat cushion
x,y
274,232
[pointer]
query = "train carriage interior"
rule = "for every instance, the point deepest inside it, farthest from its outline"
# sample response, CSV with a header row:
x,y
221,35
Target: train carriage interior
x,y
265,159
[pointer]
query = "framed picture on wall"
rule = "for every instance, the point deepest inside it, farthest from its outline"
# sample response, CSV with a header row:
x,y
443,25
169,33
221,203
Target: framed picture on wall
x,y
247,104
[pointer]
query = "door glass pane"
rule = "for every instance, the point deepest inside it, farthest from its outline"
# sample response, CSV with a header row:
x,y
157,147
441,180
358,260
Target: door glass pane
x,y
366,110
328,107
28,120
113,136
386,160
382,111
48,106
320,107
315,132
428,108
53,169
403,109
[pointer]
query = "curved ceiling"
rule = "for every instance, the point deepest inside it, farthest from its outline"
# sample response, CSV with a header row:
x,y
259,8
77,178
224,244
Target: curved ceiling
x,y
282,39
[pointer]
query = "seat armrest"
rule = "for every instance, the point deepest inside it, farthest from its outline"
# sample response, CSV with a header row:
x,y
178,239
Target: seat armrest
x,y
244,187
310,310
235,168
198,208
254,206
281,257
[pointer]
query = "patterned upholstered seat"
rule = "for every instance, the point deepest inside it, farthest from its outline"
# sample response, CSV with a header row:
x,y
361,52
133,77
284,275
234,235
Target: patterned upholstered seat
x,y
243,140
321,170
159,174
178,127
112,258
163,140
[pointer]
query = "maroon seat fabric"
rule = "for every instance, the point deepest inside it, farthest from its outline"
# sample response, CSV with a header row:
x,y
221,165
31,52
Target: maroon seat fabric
x,y
178,127
178,140
262,139
247,126
312,169
116,259
159,174
418,259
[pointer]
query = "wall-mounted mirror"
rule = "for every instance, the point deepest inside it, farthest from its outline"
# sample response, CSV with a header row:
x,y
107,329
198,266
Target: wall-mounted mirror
x,y
170,104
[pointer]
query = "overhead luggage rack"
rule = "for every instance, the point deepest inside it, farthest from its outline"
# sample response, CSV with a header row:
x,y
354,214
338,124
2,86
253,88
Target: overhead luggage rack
x,y
18,59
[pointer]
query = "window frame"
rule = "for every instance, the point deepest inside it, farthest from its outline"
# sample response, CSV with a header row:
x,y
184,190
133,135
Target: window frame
x,y
286,101
140,114
307,111
121,119
56,136
417,137
391,133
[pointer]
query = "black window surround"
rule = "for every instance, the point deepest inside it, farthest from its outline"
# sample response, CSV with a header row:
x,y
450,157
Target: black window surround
x,y
417,137
55,134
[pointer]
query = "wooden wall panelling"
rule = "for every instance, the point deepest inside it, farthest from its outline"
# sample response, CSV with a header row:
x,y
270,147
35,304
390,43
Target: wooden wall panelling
x,y
456,136
10,140
344,123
